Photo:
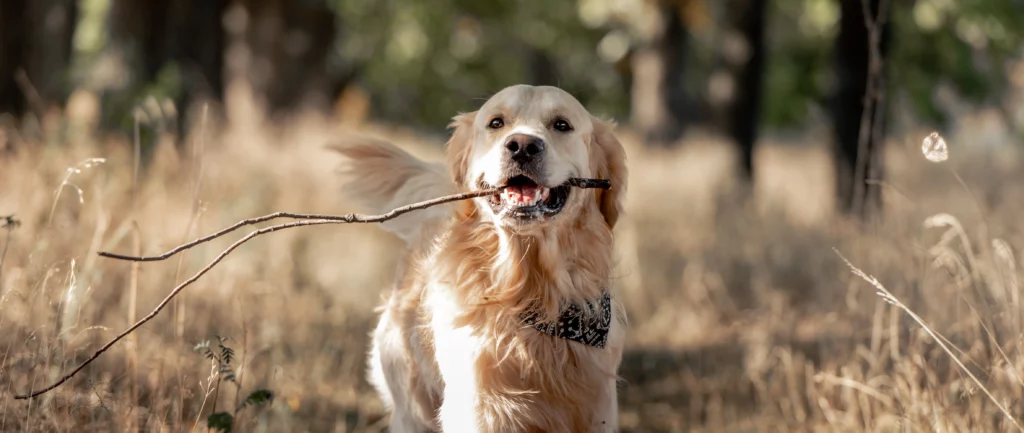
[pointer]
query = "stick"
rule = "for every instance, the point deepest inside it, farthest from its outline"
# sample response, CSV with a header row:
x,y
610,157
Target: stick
x,y
349,218
604,184
306,220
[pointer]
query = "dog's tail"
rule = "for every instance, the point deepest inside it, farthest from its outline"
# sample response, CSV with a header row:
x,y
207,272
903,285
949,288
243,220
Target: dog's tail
x,y
378,176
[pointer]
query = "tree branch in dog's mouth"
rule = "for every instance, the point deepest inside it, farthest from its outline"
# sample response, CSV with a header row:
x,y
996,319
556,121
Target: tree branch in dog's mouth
x,y
577,182
525,199
304,220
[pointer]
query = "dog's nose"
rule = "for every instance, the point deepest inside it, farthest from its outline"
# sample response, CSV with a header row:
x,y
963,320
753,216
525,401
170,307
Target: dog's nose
x,y
524,148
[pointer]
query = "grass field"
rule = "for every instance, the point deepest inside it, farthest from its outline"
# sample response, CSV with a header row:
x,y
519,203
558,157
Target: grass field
x,y
742,316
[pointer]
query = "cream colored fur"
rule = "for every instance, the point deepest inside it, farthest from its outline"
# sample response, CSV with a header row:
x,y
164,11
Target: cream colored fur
x,y
378,177
450,352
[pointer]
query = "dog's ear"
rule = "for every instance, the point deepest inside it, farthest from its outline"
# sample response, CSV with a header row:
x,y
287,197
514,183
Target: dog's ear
x,y
459,146
608,161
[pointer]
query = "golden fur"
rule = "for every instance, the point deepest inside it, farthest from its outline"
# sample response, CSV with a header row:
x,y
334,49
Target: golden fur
x,y
450,352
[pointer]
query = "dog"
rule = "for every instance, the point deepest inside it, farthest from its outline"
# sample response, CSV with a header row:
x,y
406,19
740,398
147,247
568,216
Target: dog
x,y
502,317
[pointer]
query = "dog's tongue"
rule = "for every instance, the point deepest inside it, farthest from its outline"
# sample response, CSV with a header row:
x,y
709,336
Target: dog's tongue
x,y
522,194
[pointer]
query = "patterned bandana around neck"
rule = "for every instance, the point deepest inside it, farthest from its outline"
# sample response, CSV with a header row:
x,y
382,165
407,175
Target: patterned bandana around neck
x,y
574,325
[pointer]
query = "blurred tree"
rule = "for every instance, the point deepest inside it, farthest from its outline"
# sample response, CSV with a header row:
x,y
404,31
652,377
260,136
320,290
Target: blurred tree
x,y
658,93
543,70
659,62
798,72
12,23
167,49
178,49
426,60
35,52
859,105
293,61
735,89
964,45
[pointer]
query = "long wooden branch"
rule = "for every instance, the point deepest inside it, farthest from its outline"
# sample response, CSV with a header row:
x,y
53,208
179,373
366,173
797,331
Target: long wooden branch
x,y
306,220
342,219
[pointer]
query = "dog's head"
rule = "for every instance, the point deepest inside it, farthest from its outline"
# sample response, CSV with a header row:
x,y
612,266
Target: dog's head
x,y
533,139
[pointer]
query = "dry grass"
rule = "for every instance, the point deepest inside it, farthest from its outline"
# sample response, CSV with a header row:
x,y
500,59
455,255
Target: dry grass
x,y
742,316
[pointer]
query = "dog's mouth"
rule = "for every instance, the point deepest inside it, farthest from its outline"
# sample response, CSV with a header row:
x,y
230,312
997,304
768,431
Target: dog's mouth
x,y
524,199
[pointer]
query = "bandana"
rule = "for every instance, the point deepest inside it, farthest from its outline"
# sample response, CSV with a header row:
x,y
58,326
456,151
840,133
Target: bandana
x,y
575,325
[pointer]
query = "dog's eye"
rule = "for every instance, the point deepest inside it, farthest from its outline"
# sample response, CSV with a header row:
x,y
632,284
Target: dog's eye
x,y
496,123
562,125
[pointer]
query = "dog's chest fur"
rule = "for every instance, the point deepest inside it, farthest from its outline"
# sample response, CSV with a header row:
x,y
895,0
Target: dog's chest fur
x,y
517,378
525,380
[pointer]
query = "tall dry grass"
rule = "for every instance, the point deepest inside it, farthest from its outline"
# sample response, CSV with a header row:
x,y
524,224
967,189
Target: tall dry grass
x,y
742,317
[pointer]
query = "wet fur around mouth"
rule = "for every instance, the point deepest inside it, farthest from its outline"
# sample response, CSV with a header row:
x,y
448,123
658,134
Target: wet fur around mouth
x,y
550,202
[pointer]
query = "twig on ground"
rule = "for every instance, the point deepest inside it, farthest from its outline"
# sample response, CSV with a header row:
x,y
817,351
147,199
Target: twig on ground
x,y
306,220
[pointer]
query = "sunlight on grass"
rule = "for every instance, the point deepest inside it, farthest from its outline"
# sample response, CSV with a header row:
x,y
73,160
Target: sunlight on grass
x,y
740,315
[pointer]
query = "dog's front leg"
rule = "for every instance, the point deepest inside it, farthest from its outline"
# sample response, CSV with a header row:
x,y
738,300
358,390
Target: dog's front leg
x,y
608,402
456,359
456,352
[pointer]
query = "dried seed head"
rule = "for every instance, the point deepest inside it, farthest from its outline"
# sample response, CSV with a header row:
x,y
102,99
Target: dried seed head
x,y
934,148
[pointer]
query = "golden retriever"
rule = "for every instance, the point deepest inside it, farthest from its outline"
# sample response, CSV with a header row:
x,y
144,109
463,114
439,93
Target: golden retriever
x,y
501,318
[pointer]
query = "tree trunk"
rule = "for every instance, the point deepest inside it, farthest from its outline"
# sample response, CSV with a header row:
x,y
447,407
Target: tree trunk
x,y
291,43
197,42
35,52
543,71
658,95
138,29
13,28
735,94
859,106
152,34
